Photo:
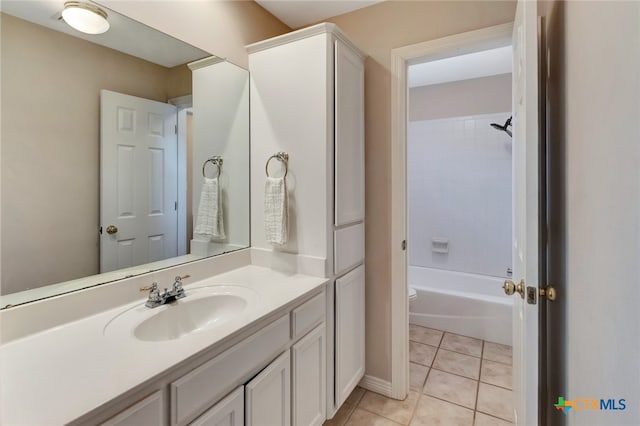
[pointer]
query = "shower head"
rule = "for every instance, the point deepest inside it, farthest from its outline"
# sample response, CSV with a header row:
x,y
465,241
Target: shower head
x,y
503,127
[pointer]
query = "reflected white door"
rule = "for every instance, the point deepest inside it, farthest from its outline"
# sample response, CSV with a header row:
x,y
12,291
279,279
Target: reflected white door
x,y
138,181
525,210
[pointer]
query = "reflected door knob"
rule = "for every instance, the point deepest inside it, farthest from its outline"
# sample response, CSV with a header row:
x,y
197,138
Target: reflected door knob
x,y
510,287
112,229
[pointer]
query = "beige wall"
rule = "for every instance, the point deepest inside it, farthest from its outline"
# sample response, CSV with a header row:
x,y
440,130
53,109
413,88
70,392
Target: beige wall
x,y
178,81
376,30
221,27
484,95
50,145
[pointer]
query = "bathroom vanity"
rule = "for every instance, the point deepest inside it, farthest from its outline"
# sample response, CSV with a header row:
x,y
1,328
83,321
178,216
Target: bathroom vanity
x,y
263,364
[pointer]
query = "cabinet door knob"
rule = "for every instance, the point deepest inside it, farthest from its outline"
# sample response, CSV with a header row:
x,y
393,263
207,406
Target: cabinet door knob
x,y
112,229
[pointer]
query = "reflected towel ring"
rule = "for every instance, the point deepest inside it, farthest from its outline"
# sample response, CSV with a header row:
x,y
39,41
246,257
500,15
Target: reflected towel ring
x,y
216,161
280,156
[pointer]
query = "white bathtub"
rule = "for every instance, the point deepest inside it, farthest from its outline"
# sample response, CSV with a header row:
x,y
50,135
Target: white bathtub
x,y
467,304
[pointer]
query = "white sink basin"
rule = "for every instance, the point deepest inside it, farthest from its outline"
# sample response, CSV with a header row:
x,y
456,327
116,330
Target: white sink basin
x,y
203,308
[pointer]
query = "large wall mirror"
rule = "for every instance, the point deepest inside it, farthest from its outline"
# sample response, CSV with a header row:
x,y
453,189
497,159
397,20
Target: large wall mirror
x,y
122,153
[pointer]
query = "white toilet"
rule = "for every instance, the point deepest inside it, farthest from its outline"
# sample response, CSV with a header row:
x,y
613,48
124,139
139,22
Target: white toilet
x,y
413,294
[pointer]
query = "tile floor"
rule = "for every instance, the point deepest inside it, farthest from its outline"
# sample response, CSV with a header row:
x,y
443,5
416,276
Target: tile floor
x,y
455,381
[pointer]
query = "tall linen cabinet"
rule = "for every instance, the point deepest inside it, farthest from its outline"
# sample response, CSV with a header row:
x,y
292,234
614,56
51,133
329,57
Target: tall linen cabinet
x,y
307,99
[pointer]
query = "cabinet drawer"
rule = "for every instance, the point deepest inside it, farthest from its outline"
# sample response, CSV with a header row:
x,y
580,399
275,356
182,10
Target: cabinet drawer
x,y
205,385
148,412
307,316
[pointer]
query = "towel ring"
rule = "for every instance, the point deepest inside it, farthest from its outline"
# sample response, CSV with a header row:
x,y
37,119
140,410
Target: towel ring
x,y
216,161
282,157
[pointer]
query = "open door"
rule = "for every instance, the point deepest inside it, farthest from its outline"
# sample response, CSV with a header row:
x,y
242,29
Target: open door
x,y
138,181
526,214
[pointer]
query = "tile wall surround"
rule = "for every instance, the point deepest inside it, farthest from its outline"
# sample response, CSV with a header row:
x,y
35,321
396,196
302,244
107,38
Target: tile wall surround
x,y
459,192
455,381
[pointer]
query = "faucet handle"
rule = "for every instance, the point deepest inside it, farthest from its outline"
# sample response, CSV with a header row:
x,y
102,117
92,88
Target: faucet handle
x,y
177,285
154,294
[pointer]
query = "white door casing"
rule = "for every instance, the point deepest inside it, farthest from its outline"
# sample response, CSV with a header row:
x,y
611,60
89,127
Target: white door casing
x,y
138,180
525,210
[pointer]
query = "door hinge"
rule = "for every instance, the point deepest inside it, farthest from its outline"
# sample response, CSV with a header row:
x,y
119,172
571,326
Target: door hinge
x,y
175,128
404,245
175,205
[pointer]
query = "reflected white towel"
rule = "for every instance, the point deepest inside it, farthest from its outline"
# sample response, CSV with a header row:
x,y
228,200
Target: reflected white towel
x,y
209,223
276,214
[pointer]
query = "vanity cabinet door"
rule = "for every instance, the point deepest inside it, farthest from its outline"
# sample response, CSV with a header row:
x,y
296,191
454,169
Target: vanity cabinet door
x,y
228,412
349,333
349,136
309,378
148,412
268,395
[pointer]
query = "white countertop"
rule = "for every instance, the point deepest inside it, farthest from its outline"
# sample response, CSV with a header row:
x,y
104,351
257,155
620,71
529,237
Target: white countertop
x,y
60,374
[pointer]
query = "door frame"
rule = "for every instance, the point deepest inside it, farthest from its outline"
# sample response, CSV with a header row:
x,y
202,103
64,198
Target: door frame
x,y
184,105
401,58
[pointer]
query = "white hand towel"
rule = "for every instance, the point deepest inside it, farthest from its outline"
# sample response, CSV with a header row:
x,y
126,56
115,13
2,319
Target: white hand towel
x,y
276,214
209,222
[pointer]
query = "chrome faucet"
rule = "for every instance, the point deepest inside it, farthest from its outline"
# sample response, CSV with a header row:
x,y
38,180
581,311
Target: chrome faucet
x,y
167,296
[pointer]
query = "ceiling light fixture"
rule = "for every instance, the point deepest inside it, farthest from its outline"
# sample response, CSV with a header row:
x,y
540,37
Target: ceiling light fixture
x,y
85,17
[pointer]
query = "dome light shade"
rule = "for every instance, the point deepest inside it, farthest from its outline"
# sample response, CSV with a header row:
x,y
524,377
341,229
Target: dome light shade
x,y
85,17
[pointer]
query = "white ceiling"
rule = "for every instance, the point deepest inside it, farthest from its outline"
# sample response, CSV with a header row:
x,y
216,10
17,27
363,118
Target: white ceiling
x,y
464,67
299,13
125,35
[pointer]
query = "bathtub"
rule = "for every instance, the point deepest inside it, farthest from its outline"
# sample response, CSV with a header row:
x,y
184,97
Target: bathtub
x,y
461,303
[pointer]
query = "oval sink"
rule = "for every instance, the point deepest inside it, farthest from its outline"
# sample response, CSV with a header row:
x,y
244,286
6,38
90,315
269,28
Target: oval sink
x,y
189,317
202,309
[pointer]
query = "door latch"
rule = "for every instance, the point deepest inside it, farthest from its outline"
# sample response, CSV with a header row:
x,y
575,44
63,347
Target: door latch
x,y
548,293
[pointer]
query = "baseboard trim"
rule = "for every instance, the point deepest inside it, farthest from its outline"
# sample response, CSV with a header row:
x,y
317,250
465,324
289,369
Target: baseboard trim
x,y
376,385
